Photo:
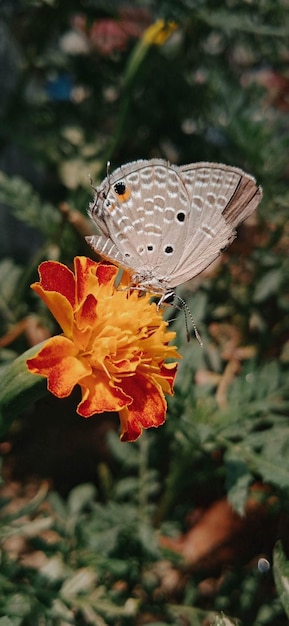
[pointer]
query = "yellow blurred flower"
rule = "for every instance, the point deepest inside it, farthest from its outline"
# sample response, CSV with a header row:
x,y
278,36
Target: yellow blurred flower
x,y
158,32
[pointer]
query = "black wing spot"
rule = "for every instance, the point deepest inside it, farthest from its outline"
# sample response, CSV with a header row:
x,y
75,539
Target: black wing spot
x,y
120,188
181,216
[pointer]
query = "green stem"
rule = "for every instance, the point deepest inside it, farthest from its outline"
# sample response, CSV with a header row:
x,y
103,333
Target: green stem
x,y
135,61
143,463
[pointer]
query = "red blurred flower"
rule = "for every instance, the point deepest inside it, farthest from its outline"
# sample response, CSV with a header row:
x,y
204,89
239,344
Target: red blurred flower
x,y
109,34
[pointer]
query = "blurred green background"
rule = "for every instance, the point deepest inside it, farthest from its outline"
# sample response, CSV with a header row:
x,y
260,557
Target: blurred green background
x,y
189,525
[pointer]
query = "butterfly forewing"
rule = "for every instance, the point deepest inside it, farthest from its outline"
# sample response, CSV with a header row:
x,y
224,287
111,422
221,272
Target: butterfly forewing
x,y
148,221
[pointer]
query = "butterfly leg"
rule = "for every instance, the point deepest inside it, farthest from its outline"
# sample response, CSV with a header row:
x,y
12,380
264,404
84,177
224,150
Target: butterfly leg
x,y
168,298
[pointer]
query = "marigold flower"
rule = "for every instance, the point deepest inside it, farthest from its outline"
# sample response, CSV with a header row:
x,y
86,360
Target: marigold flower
x,y
114,345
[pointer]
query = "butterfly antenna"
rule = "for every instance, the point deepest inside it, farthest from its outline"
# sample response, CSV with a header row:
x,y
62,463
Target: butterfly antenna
x,y
187,312
107,174
91,183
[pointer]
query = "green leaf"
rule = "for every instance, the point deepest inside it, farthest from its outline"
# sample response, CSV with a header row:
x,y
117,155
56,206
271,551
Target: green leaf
x,y
268,285
237,21
269,468
79,497
281,576
195,617
6,621
237,480
8,287
18,388
18,605
27,205
82,581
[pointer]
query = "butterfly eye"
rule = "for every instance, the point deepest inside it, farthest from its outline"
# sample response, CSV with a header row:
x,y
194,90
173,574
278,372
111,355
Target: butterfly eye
x,y
122,191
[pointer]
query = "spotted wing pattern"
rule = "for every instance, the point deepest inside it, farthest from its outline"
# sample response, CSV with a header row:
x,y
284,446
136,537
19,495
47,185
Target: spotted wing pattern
x,y
167,222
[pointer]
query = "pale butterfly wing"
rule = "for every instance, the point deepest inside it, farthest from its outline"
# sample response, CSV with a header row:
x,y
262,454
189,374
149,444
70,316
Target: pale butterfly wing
x,y
221,198
108,250
167,223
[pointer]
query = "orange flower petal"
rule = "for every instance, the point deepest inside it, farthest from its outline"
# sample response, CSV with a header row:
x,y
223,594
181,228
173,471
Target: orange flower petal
x,y
166,377
84,321
57,289
58,362
147,410
89,274
59,306
106,273
99,396
55,276
83,267
125,366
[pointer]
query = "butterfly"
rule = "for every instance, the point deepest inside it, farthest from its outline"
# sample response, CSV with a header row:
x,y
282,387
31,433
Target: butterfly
x,y
166,223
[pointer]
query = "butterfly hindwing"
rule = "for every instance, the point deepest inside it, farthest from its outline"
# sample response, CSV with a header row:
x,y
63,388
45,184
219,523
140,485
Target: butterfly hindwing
x,y
221,198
